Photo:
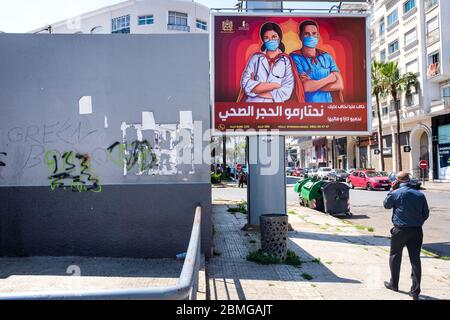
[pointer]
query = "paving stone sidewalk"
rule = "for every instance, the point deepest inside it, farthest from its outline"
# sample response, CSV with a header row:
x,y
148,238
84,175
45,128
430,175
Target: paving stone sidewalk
x,y
343,261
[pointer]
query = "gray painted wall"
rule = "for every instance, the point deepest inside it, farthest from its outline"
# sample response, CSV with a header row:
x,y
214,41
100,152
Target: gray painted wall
x,y
137,214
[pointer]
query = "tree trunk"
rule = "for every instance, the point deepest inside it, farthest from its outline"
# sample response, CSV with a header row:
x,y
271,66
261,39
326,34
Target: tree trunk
x,y
380,132
397,136
224,155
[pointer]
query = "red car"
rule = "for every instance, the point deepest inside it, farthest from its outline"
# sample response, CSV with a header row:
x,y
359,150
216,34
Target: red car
x,y
368,179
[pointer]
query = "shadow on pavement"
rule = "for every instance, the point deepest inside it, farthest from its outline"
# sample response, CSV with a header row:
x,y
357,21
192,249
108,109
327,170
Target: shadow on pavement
x,y
440,248
361,240
233,245
90,267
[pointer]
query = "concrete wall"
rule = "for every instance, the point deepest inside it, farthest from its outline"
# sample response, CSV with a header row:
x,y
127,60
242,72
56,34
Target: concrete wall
x,y
102,183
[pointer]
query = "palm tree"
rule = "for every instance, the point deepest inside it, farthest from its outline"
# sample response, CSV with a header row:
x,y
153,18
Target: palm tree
x,y
395,83
378,89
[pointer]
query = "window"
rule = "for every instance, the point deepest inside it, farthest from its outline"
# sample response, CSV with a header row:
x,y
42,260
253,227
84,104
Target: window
x,y
144,20
384,111
433,64
392,18
201,24
446,92
393,47
446,95
410,37
381,27
430,4
408,5
121,24
412,66
383,56
433,30
178,18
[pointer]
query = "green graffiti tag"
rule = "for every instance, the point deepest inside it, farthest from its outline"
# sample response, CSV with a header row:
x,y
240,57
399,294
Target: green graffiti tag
x,y
71,171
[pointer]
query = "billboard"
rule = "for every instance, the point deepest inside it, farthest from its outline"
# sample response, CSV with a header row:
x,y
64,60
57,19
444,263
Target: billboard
x,y
298,75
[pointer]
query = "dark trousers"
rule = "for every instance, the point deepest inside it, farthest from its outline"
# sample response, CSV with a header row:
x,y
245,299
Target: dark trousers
x,y
412,238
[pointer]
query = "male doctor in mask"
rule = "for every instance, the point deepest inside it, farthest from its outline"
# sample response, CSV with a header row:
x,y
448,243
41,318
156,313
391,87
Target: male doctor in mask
x,y
318,71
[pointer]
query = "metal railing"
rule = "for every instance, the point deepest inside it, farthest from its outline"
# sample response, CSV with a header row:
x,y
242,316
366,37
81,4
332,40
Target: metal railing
x,y
185,289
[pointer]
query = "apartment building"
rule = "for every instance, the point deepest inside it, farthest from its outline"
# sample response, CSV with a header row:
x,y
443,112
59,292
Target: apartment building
x,y
414,33
137,16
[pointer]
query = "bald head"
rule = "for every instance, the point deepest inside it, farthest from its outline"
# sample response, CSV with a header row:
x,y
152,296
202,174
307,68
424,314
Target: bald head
x,y
403,176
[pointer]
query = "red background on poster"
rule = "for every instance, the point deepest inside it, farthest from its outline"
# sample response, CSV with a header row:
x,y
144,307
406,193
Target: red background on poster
x,y
343,38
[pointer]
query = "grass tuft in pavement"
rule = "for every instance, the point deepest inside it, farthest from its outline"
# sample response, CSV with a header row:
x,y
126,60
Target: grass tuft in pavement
x,y
261,257
242,208
292,259
307,276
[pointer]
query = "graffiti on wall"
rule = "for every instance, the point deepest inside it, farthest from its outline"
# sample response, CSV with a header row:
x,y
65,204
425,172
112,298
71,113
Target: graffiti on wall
x,y
2,164
71,171
145,149
167,149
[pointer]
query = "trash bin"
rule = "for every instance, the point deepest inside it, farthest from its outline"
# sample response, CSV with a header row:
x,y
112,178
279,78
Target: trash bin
x,y
336,198
274,234
300,183
311,194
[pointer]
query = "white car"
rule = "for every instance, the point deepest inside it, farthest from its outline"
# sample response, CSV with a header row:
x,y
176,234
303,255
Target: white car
x,y
322,173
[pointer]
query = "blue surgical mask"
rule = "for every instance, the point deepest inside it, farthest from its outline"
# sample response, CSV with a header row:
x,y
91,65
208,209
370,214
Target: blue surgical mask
x,y
310,41
272,45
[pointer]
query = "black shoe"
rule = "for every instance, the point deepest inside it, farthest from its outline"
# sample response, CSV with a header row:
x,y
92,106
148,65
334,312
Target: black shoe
x,y
414,296
389,286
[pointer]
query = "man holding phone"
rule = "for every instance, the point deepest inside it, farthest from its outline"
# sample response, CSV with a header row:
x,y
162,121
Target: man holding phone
x,y
410,210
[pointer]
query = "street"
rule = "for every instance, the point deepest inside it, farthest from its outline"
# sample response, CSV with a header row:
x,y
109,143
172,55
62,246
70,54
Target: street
x,y
368,211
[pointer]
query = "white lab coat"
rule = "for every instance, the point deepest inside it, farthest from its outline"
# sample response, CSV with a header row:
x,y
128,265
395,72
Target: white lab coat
x,y
281,73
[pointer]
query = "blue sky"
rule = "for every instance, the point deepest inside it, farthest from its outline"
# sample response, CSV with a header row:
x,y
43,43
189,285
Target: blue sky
x,y
26,15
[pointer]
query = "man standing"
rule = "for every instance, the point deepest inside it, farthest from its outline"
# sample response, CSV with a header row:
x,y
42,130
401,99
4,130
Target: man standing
x,y
321,78
410,210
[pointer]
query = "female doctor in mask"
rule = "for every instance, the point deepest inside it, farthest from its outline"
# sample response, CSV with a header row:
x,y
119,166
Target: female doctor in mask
x,y
269,75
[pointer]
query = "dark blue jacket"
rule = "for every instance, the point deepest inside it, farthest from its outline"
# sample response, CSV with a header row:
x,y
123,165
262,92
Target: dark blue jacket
x,y
410,207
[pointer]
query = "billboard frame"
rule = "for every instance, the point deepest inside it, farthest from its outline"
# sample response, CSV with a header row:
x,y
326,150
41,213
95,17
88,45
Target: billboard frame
x,y
251,132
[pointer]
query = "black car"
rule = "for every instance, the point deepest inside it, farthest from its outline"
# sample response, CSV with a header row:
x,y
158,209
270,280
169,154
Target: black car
x,y
413,181
338,175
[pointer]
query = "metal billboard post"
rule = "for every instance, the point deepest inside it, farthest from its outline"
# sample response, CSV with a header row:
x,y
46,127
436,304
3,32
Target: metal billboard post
x,y
250,117
266,193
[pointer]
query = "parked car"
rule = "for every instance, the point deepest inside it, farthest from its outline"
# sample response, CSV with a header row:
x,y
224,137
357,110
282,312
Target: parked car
x,y
413,181
322,173
338,175
368,179
312,173
384,173
349,171
290,171
297,172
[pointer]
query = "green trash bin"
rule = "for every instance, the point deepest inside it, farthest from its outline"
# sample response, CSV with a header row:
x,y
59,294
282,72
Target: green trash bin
x,y
300,183
311,194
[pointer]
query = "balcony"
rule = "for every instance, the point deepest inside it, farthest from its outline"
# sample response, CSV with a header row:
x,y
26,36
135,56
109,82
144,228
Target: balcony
x,y
177,27
409,14
440,106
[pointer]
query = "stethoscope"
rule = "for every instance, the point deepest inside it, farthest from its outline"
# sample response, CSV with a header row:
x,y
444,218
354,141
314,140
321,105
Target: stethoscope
x,y
271,70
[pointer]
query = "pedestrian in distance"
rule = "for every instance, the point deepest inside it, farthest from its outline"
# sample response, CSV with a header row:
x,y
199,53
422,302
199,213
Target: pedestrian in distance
x,y
409,213
241,178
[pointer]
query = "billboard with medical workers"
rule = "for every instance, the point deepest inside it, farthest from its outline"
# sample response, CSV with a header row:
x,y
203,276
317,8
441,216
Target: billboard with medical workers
x,y
300,75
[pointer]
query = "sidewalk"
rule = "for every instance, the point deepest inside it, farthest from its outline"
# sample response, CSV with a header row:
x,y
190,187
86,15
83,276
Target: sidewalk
x,y
437,186
344,262
49,274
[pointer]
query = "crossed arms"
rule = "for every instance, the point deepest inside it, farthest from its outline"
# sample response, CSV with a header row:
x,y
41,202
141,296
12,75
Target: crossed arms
x,y
333,82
